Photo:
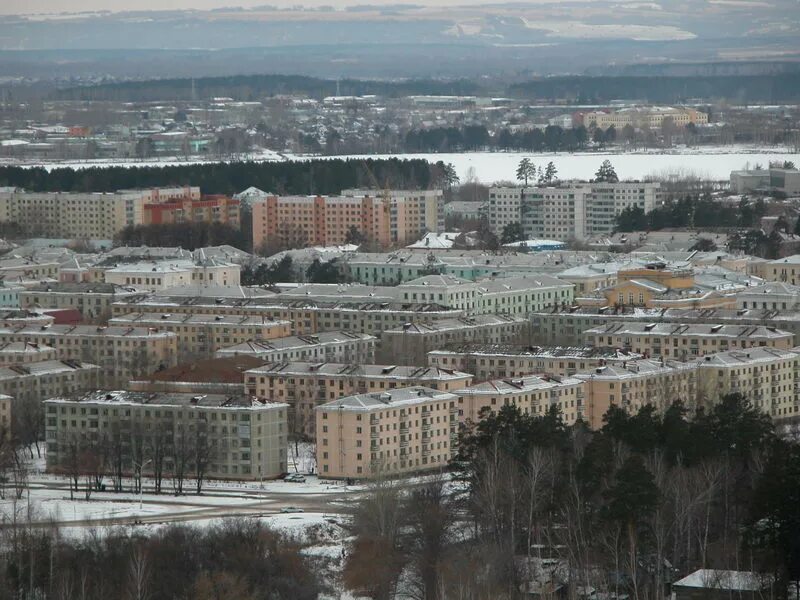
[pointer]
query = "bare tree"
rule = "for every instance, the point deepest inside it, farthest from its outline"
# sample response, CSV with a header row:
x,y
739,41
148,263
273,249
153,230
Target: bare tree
x,y
139,574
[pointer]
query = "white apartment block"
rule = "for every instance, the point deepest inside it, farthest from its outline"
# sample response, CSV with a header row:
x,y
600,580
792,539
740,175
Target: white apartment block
x,y
568,211
160,275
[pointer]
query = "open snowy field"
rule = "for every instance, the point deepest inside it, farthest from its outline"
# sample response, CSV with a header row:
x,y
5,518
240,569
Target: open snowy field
x,y
709,163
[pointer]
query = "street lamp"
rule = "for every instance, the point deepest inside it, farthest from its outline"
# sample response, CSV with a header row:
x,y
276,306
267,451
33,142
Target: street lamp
x,y
141,486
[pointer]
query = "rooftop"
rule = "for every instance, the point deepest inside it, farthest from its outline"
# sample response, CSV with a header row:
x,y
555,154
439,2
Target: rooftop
x,y
578,352
693,329
528,383
350,370
174,399
395,398
256,347
213,370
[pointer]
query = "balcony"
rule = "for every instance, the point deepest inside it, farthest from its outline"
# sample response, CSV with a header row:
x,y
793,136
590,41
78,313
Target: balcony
x,y
404,443
374,434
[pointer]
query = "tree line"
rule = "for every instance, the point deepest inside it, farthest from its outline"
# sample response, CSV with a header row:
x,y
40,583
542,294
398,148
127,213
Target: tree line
x,y
476,137
238,558
700,211
288,177
625,510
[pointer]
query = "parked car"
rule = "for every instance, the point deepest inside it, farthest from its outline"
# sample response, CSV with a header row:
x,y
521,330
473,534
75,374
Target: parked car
x,y
295,478
291,509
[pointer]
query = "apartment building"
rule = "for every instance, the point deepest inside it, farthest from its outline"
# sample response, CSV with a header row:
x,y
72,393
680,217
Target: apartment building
x,y
299,221
567,211
5,413
395,432
306,385
785,270
503,295
238,437
772,295
328,346
188,209
632,385
13,353
93,300
768,377
201,335
683,341
652,117
121,352
486,361
96,216
160,275
567,325
531,394
410,343
308,316
412,212
31,382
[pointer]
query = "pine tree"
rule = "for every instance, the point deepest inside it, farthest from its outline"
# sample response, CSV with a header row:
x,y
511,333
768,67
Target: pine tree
x,y
606,173
526,170
550,172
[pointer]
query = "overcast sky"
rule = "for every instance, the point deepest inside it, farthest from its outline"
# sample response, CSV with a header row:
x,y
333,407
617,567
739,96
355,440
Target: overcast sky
x,y
72,6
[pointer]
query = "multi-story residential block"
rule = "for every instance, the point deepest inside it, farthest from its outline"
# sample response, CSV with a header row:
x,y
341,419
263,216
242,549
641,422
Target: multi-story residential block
x,y
31,382
121,352
6,403
235,437
82,215
328,346
684,341
412,212
398,431
93,300
201,335
25,317
189,209
531,394
768,377
567,211
160,275
299,221
410,344
772,295
14,353
307,316
785,270
634,384
487,362
306,385
504,295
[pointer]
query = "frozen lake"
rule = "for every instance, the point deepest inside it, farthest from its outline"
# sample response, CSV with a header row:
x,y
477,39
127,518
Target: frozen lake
x,y
708,163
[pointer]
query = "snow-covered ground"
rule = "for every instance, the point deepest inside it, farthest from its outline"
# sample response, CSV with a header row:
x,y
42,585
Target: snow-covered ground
x,y
714,162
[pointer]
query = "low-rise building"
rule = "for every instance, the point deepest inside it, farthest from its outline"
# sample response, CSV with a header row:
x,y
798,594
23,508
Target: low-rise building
x,y
772,295
222,436
716,584
93,300
33,381
121,352
394,432
683,341
767,181
305,385
160,275
410,344
328,346
532,395
13,353
487,361
634,384
201,335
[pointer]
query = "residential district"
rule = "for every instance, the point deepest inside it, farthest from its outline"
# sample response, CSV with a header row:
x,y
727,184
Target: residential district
x,y
184,361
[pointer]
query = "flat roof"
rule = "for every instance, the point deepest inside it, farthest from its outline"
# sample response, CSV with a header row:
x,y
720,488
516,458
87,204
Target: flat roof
x,y
394,398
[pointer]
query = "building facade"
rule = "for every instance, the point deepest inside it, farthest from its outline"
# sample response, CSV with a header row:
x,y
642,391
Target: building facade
x,y
222,436
329,346
395,432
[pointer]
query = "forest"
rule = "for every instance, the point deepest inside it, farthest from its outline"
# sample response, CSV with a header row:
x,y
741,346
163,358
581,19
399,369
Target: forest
x,y
295,177
628,509
476,137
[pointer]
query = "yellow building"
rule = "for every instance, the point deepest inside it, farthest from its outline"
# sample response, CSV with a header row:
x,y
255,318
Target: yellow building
x,y
635,384
395,432
685,341
532,395
305,385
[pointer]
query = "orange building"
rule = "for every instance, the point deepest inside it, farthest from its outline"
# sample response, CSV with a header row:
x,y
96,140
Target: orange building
x,y
190,209
319,220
